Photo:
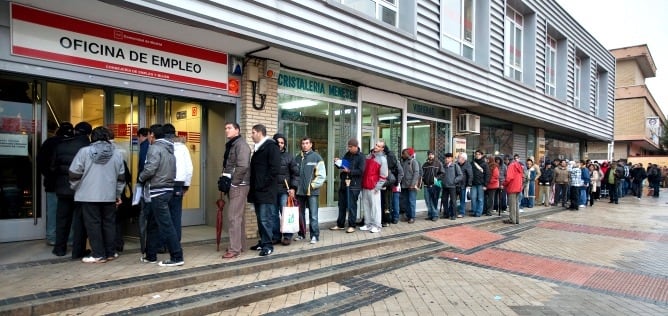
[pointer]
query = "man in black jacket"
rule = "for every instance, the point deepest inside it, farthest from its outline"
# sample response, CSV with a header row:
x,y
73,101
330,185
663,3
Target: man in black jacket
x,y
264,168
545,182
480,178
286,183
352,168
68,214
44,157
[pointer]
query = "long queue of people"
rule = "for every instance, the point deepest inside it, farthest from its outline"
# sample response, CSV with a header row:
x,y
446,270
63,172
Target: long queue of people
x,y
85,175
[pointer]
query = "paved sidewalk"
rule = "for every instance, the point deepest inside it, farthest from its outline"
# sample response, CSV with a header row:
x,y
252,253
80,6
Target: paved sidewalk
x,y
603,260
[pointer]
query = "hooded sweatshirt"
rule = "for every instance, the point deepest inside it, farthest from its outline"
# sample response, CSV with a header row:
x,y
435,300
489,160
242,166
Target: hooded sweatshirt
x,y
97,173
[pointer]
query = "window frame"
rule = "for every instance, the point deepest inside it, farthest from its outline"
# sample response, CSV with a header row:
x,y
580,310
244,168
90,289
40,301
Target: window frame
x,y
460,37
551,66
392,5
513,28
576,82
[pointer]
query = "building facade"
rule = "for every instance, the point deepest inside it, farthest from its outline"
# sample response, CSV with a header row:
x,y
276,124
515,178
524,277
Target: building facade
x,y
506,77
639,120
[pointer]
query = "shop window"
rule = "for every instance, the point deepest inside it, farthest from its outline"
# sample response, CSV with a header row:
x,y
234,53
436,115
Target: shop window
x,y
18,129
328,124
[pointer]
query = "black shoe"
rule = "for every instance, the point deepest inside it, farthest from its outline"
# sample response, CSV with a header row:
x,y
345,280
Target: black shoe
x,y
58,253
266,252
433,219
257,247
488,214
395,221
452,218
385,224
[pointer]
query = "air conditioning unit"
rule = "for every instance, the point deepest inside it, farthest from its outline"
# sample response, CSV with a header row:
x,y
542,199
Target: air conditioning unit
x,y
468,123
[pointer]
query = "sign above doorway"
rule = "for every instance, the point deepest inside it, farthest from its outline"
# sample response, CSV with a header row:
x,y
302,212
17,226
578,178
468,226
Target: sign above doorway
x,y
53,37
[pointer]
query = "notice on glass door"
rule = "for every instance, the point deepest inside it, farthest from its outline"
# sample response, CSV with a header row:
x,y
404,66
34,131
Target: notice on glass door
x,y
13,144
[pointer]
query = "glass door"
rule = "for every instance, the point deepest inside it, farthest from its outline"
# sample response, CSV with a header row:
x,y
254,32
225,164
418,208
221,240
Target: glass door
x,y
133,110
21,216
186,116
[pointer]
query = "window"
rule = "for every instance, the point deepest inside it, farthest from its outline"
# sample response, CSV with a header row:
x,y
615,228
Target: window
x,y
551,66
513,43
596,93
457,21
576,83
383,10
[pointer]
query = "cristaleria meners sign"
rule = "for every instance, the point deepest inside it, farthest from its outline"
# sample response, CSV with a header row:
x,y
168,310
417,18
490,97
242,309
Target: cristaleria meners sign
x,y
54,37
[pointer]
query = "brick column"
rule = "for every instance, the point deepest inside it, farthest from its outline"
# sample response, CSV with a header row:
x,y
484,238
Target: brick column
x,y
249,116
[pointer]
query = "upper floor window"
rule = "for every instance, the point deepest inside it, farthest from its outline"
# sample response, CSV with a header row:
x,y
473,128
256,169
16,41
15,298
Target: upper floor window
x,y
457,23
514,30
383,10
576,83
551,66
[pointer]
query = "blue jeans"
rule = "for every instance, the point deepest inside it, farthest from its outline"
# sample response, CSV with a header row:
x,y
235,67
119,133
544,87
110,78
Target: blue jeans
x,y
161,228
583,196
477,199
620,188
408,197
51,207
312,201
176,208
462,201
265,222
431,199
395,206
351,209
281,200
655,187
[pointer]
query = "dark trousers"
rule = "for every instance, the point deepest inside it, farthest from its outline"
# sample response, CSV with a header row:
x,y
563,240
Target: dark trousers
x,y
345,209
490,196
575,197
561,194
100,222
448,200
176,208
161,229
614,189
69,216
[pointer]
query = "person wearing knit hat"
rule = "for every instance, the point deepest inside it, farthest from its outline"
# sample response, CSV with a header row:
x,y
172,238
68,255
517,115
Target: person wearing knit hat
x,y
350,187
410,182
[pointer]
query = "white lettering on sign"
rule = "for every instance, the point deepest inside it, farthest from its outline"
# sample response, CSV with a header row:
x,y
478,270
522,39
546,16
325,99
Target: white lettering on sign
x,y
50,36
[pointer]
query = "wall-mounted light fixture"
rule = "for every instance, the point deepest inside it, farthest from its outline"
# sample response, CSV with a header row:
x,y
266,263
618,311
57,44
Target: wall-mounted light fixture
x,y
252,76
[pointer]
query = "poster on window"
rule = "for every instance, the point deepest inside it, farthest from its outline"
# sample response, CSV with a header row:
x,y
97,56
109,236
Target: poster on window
x,y
458,145
13,144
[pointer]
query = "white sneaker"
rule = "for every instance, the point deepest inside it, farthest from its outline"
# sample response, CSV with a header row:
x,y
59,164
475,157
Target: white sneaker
x,y
582,206
365,227
521,211
374,229
314,240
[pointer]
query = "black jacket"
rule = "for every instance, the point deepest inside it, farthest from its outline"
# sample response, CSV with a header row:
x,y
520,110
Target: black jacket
x,y
356,163
546,176
45,156
289,172
265,165
480,177
62,159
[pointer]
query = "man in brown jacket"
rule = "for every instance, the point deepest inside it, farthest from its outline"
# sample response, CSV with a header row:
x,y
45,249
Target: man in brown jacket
x,y
236,164
561,178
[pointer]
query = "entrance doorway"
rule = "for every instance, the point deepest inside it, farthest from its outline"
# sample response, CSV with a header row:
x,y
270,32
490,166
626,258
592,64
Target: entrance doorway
x,y
31,110
21,218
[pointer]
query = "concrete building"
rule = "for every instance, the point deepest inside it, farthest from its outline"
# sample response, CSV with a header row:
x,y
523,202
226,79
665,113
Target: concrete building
x,y
504,76
639,120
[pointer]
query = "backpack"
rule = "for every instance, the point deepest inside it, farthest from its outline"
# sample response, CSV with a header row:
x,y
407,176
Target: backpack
x,y
392,170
